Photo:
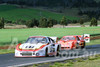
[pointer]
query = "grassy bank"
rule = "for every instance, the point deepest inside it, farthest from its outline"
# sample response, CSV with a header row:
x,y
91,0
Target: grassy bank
x,y
12,12
93,42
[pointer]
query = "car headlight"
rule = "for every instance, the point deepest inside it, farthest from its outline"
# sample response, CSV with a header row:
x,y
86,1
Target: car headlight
x,y
20,47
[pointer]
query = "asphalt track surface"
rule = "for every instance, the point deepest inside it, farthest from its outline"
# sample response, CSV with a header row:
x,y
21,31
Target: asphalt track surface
x,y
9,59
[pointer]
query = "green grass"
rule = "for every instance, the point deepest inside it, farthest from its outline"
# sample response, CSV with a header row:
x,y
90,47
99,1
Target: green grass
x,y
6,35
79,62
88,63
7,7
14,13
92,42
5,51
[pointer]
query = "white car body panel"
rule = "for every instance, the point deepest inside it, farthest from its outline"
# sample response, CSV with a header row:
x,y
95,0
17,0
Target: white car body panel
x,y
35,51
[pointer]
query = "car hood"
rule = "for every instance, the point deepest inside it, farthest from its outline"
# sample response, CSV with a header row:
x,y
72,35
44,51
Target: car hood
x,y
30,46
65,42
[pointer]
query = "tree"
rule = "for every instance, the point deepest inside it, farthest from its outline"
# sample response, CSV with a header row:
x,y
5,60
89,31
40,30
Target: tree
x,y
32,23
36,22
2,23
1,1
43,22
20,21
63,21
50,22
29,24
55,22
7,21
85,18
81,21
94,22
74,21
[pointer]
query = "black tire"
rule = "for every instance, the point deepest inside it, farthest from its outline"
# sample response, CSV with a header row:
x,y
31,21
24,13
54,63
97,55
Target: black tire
x,y
77,46
83,46
46,53
57,51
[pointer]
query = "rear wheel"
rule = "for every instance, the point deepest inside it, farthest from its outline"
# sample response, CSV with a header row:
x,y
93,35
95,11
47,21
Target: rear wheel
x,y
46,52
57,51
83,46
76,45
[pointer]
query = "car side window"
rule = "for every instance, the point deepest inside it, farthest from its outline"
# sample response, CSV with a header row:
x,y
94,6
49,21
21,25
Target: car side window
x,y
77,38
49,40
52,41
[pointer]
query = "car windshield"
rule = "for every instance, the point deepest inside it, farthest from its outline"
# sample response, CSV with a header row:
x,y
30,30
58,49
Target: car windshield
x,y
68,38
35,40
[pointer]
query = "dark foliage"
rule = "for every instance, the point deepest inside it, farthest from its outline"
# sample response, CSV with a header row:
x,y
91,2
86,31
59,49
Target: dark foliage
x,y
94,22
2,21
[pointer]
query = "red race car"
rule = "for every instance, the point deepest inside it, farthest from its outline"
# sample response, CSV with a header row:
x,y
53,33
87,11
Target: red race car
x,y
71,42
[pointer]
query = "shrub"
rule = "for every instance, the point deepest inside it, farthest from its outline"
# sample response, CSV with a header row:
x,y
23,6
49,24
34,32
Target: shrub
x,y
94,22
81,21
32,23
74,21
20,21
2,23
50,23
8,21
63,21
43,22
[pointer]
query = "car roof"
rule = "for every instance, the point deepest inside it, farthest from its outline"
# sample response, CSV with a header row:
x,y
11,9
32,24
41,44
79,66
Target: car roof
x,y
38,36
70,36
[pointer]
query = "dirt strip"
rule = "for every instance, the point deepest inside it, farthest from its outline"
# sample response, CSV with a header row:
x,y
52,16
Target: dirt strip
x,y
6,47
95,37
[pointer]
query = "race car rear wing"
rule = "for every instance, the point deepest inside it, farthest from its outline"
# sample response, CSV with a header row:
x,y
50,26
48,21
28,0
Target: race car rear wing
x,y
85,37
55,39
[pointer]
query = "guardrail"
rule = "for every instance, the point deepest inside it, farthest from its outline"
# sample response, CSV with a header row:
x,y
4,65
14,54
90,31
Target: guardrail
x,y
94,34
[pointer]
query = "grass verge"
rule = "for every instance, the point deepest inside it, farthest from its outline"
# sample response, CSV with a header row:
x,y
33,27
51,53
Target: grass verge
x,y
93,42
92,61
6,51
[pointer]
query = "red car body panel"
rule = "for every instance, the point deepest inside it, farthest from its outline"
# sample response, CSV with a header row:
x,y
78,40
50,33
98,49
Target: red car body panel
x,y
69,42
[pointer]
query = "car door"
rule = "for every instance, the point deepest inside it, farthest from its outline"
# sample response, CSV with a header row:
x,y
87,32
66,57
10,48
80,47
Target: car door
x,y
51,45
78,40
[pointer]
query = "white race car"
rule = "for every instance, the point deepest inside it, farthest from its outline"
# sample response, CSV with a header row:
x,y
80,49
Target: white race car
x,y
38,46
